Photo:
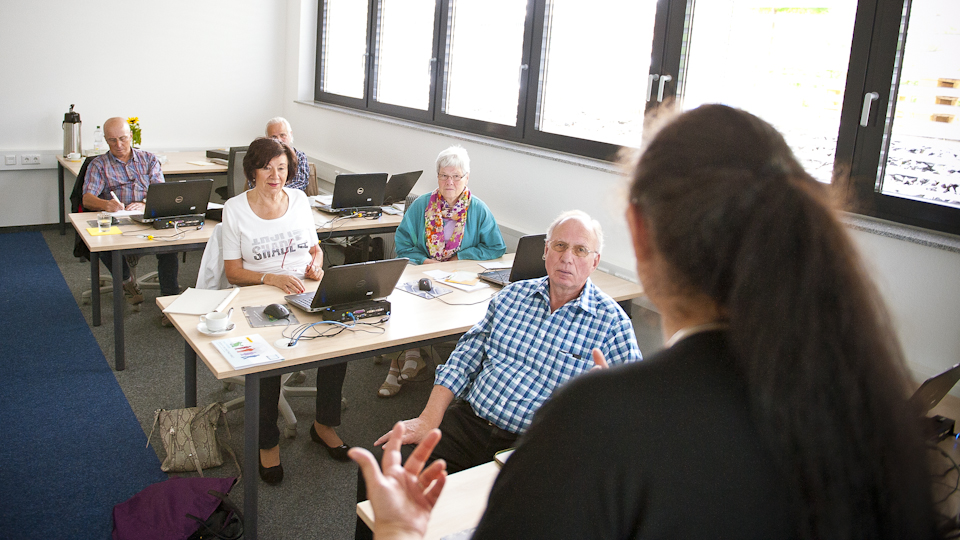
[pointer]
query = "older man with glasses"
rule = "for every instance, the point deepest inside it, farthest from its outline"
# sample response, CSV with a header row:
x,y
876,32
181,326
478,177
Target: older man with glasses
x,y
118,180
278,128
536,335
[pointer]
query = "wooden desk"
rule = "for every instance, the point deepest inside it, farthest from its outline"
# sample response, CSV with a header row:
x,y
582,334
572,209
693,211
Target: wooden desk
x,y
119,245
461,503
328,226
175,166
415,322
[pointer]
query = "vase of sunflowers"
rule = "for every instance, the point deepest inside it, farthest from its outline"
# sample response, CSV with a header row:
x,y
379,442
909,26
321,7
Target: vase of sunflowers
x,y
134,123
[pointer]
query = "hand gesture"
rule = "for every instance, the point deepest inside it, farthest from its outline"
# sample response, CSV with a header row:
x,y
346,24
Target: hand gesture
x,y
286,283
402,496
598,360
314,270
136,206
414,431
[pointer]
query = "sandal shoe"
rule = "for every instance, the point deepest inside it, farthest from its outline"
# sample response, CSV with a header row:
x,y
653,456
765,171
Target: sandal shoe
x,y
338,453
410,371
389,389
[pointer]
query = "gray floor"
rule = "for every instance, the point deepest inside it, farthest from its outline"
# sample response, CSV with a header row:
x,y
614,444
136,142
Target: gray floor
x,y
317,496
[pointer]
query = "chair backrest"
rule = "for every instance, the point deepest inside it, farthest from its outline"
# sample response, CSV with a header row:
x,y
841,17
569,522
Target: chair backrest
x,y
76,196
312,188
212,274
236,180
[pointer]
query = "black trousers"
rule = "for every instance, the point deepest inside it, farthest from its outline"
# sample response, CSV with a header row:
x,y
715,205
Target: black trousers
x,y
329,392
467,441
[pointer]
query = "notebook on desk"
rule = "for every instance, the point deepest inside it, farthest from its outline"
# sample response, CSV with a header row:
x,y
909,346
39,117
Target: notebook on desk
x,y
351,283
528,263
175,199
352,192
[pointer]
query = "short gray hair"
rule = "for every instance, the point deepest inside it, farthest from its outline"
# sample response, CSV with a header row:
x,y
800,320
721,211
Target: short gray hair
x,y
581,216
278,120
455,156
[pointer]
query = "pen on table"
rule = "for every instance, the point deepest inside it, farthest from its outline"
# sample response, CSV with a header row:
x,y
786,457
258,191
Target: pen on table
x,y
114,195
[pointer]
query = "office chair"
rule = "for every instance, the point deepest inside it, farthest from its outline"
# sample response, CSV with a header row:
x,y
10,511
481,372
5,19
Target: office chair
x,y
80,249
213,276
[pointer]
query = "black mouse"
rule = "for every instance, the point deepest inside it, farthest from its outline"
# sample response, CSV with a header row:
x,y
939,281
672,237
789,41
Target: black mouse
x,y
277,311
425,284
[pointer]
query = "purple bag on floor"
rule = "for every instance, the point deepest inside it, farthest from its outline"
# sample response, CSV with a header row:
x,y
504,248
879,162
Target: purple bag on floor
x,y
159,511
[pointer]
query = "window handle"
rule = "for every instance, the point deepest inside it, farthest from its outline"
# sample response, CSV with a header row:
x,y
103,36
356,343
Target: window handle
x,y
868,100
430,64
663,82
650,80
523,67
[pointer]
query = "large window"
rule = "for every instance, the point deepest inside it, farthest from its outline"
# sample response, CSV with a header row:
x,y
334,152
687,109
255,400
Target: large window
x,y
866,92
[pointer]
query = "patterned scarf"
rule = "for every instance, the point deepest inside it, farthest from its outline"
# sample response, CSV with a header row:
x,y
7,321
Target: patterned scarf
x,y
437,211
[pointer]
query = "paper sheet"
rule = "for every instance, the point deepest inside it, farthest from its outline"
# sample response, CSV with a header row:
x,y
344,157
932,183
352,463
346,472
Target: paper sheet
x,y
247,351
495,265
95,231
440,275
201,163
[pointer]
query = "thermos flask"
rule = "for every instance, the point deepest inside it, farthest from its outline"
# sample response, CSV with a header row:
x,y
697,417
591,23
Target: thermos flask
x,y
71,132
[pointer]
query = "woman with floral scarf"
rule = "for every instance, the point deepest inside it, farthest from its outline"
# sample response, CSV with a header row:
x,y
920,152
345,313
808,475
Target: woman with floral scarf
x,y
445,225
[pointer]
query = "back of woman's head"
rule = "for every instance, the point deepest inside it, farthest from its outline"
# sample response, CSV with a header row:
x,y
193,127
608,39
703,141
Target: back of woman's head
x,y
261,151
736,218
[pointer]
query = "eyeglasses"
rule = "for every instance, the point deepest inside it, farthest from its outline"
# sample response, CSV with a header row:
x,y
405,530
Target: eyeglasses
x,y
115,140
454,177
560,246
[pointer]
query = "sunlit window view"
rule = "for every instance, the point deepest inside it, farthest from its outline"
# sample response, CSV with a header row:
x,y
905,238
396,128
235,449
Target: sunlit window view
x,y
484,52
923,161
786,64
344,48
588,90
403,53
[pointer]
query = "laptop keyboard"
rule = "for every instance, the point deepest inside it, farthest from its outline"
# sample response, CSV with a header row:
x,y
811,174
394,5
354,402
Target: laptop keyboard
x,y
302,301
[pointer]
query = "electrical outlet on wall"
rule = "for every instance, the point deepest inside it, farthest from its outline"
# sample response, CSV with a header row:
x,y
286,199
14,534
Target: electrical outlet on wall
x,y
29,159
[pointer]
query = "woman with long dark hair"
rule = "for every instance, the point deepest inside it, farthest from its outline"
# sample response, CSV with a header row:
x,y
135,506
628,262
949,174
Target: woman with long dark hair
x,y
778,408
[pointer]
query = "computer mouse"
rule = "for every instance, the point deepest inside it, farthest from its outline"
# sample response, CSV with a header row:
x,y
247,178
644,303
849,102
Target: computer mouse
x,y
425,284
277,311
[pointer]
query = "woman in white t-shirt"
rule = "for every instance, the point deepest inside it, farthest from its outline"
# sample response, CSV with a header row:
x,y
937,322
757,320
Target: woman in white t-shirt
x,y
269,238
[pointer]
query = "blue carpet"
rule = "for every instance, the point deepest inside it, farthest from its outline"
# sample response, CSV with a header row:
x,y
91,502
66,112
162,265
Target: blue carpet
x,y
72,447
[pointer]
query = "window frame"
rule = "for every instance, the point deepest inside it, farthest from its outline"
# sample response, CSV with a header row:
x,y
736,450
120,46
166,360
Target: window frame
x,y
873,57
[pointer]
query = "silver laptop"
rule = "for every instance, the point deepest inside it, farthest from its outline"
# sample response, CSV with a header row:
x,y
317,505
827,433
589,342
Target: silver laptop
x,y
352,192
175,199
349,283
528,263
934,389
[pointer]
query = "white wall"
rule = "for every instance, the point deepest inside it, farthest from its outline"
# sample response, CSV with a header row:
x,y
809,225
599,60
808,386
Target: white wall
x,y
920,284
198,74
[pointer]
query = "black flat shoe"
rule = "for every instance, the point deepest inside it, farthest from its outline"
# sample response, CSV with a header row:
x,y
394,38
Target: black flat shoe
x,y
338,453
271,475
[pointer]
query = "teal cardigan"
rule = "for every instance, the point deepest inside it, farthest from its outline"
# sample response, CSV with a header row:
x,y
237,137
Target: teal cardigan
x,y
481,235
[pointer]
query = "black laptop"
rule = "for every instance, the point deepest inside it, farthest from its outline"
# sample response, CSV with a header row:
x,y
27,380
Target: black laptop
x,y
352,192
351,283
399,186
167,200
528,263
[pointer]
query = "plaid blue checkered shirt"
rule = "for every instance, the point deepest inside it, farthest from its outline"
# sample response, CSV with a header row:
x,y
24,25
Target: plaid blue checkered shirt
x,y
128,180
510,362
301,178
